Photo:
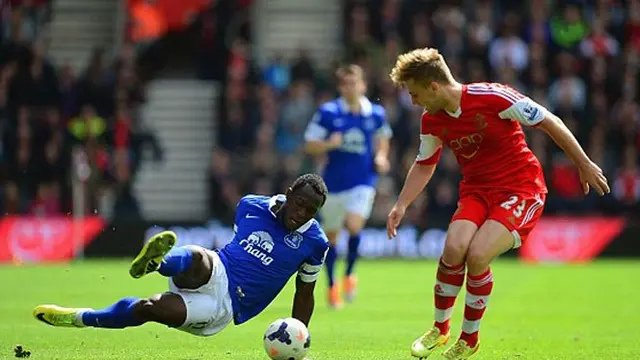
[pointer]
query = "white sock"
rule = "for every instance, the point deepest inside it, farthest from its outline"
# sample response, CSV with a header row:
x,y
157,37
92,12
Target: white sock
x,y
78,319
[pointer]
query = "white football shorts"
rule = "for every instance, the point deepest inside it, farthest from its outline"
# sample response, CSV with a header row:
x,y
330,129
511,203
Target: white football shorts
x,y
357,200
209,307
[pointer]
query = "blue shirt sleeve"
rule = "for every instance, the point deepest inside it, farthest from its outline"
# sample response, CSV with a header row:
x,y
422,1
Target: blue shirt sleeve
x,y
310,269
319,127
241,211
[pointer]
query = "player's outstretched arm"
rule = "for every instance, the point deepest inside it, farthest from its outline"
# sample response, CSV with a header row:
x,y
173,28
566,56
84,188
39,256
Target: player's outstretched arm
x,y
317,147
383,143
590,173
381,160
417,178
320,136
303,301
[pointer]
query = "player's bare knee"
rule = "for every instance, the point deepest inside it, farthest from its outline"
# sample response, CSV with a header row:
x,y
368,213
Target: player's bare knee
x,y
143,310
455,251
458,240
478,260
161,308
354,224
198,258
354,228
198,273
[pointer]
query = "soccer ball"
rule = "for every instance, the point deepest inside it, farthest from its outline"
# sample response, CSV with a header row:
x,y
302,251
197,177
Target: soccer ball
x,y
287,339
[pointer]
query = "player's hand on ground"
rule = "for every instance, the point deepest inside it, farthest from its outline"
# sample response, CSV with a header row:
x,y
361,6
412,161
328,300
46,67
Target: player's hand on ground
x,y
335,140
393,220
382,164
591,176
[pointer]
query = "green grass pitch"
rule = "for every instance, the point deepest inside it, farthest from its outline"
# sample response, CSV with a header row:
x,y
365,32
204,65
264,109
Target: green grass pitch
x,y
536,312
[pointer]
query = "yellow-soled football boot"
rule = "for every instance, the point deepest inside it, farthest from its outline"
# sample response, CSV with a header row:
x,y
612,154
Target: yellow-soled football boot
x,y
152,253
59,316
460,350
428,343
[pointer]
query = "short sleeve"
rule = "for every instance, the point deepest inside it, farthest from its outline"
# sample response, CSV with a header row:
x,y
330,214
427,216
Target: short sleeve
x,y
310,269
318,128
526,111
241,211
509,103
430,146
430,150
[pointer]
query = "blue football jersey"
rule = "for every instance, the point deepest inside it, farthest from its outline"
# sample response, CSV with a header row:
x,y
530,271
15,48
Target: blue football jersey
x,y
351,164
264,254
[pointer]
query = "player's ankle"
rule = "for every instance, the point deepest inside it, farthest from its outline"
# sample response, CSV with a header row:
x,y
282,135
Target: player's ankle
x,y
77,321
334,291
444,327
334,294
470,339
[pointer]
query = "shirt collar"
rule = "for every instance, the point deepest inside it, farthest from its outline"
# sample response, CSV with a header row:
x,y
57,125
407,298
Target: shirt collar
x,y
282,199
455,114
366,108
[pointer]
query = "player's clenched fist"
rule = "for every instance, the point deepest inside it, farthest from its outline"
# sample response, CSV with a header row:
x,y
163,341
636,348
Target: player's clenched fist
x,y
393,220
382,164
591,176
335,140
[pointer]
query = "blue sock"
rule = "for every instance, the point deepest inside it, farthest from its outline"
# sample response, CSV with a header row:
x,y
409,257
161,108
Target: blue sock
x,y
116,316
330,261
352,255
176,261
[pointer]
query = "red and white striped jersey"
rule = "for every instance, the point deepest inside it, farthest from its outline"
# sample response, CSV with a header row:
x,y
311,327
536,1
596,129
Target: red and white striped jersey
x,y
486,137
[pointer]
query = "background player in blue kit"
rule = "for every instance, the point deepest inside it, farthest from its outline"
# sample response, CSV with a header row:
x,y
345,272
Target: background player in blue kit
x,y
354,134
275,237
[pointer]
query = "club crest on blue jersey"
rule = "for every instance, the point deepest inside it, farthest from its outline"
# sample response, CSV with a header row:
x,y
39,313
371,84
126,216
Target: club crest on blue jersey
x,y
293,240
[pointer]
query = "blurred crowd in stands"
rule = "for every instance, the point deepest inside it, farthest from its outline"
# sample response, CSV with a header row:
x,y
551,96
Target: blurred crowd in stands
x,y
61,129
578,58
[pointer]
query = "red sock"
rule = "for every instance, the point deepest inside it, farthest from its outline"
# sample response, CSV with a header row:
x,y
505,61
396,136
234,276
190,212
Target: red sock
x,y
478,291
449,280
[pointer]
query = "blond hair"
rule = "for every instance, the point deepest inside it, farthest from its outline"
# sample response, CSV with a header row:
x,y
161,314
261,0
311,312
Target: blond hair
x,y
421,65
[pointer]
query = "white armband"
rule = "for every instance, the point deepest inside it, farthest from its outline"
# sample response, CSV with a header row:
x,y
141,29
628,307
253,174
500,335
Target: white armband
x,y
309,273
525,111
429,146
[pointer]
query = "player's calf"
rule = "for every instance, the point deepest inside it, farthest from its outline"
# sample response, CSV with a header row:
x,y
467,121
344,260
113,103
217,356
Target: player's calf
x,y
168,309
451,271
449,280
333,293
350,282
491,240
354,224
